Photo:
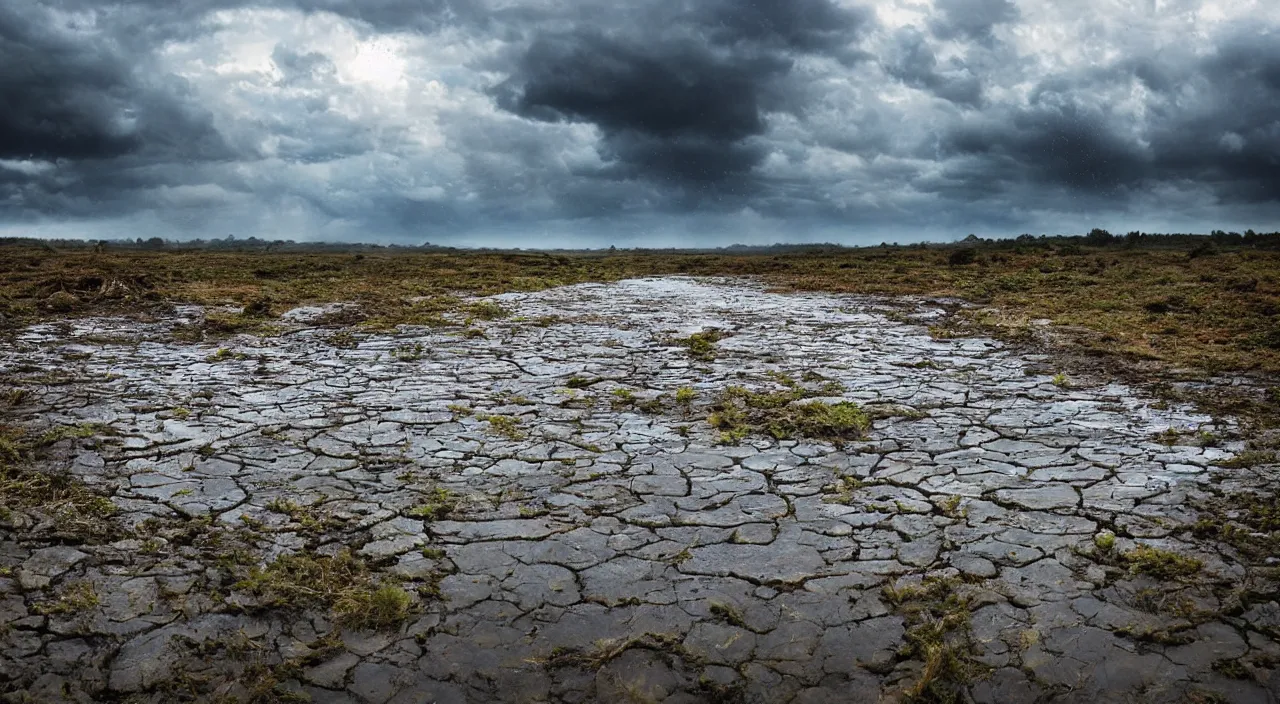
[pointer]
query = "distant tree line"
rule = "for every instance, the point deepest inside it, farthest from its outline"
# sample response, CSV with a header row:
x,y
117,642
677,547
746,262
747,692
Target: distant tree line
x,y
1095,238
1101,238
229,243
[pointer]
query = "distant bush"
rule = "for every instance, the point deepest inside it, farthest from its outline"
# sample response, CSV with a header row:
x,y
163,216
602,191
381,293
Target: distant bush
x,y
962,256
1099,237
257,308
1204,249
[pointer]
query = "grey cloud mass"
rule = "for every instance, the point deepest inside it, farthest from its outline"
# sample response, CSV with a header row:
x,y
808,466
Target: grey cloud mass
x,y
655,122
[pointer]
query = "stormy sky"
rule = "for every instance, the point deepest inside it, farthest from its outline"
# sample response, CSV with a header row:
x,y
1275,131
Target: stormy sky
x,y
639,123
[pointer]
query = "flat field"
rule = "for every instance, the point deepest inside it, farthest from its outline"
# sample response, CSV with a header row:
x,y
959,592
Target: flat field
x,y
1019,474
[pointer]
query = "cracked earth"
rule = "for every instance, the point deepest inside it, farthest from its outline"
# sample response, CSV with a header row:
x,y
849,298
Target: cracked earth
x,y
570,532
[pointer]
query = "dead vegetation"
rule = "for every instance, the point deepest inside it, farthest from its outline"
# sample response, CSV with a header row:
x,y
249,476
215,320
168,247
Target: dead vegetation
x,y
1213,313
792,412
70,508
701,345
936,612
1247,521
341,583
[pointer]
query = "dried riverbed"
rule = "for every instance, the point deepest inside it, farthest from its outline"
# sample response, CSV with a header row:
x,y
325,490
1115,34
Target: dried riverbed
x,y
566,526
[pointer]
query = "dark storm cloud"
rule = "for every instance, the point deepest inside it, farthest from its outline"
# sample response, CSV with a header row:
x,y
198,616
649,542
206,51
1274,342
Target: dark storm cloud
x,y
76,98
1231,136
1215,125
670,90
971,18
802,25
680,104
61,100
672,110
394,14
1059,145
404,117
913,62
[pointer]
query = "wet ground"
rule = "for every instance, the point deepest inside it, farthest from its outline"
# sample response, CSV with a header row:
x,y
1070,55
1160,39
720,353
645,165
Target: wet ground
x,y
570,531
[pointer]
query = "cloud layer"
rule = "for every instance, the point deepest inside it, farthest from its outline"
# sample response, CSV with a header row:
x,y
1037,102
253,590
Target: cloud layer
x,y
657,122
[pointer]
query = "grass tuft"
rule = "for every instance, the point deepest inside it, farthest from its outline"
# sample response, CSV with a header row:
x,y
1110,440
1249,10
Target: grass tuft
x,y
439,504
739,412
74,508
1247,521
701,345
506,426
76,598
341,583
938,635
1160,564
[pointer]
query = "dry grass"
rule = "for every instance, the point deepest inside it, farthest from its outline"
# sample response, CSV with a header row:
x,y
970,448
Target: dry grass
x,y
936,613
790,410
342,583
1215,313
73,509
1164,565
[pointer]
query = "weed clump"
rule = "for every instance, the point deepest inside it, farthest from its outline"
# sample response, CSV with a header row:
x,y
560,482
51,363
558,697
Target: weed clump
x,y
938,634
1247,521
341,583
841,490
61,302
962,256
425,312
506,426
75,509
82,431
623,398
1105,541
439,504
816,419
728,614
1233,668
459,410
76,598
785,415
701,345
1160,564
487,310
222,355
344,339
253,320
408,353
308,518
1249,459
257,308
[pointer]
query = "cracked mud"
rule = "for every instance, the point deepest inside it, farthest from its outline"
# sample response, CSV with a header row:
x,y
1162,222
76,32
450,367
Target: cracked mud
x,y
566,525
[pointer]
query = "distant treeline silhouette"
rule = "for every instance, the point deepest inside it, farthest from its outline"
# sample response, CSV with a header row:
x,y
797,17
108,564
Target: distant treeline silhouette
x,y
1095,238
